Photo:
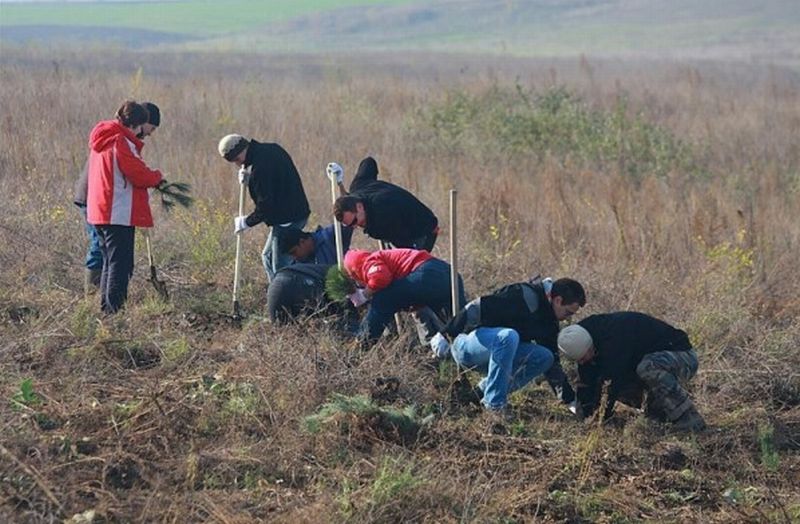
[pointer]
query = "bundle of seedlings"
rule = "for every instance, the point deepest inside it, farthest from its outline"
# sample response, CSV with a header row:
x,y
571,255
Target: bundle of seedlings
x,y
172,193
338,284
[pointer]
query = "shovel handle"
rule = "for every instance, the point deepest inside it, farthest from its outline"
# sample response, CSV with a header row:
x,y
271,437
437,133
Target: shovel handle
x,y
149,251
238,262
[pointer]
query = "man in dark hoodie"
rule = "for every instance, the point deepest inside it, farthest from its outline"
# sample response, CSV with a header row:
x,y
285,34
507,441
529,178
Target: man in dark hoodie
x,y
94,257
276,189
385,211
636,353
511,336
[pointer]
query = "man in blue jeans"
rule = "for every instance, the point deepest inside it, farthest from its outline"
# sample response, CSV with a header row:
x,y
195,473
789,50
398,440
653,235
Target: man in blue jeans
x,y
511,337
94,258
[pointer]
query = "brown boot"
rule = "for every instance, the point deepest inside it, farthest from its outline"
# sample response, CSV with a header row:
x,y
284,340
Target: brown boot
x,y
91,280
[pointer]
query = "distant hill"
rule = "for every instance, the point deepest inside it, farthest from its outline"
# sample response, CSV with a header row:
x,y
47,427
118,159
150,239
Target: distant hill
x,y
749,30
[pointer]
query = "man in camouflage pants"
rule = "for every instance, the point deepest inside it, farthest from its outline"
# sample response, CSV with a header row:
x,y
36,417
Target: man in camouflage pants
x,y
636,353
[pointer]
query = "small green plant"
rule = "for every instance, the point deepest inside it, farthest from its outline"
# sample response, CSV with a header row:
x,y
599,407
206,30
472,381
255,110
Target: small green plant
x,y
173,193
83,323
345,499
338,285
25,397
176,349
341,408
769,455
392,481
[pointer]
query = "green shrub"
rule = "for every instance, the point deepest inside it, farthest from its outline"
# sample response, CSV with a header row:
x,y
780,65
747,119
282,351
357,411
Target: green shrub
x,y
559,124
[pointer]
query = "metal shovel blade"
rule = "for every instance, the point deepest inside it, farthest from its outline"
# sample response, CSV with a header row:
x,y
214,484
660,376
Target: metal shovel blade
x,y
160,285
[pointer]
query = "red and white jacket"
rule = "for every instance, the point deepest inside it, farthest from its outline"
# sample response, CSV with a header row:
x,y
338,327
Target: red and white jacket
x,y
118,178
379,269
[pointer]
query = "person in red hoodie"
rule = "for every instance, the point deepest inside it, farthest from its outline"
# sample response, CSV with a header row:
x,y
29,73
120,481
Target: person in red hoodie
x,y
398,279
117,199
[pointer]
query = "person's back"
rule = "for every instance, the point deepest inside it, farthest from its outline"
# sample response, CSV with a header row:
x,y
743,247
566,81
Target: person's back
x,y
623,338
394,214
275,185
636,352
296,289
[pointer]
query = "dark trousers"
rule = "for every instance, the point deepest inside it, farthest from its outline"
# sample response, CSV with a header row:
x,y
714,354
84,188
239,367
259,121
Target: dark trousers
x,y
116,245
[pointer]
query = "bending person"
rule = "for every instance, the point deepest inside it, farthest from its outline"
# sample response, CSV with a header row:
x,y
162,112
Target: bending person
x,y
636,353
396,280
511,337
276,189
386,212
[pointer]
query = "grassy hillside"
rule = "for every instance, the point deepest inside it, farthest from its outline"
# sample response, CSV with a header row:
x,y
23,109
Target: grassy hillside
x,y
666,189
201,18
744,30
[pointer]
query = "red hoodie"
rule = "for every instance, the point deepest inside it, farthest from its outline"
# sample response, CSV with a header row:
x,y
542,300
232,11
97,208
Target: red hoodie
x,y
379,269
118,178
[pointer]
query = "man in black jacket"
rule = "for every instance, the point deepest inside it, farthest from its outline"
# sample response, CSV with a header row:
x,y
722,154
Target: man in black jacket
x,y
276,189
511,335
636,353
386,212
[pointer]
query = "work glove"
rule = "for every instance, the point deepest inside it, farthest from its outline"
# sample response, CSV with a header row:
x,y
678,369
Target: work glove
x,y
240,224
244,174
359,297
335,172
576,409
440,346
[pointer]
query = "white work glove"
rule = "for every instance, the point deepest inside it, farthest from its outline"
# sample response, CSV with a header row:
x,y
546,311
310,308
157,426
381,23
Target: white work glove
x,y
575,409
335,172
239,224
244,174
440,346
359,297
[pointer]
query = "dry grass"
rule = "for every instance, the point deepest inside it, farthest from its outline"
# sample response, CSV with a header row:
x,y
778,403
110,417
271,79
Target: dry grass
x,y
171,412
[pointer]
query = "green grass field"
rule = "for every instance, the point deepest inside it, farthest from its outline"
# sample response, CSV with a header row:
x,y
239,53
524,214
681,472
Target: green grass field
x,y
198,18
731,30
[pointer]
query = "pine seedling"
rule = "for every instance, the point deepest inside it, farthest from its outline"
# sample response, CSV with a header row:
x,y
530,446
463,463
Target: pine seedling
x,y
174,193
338,285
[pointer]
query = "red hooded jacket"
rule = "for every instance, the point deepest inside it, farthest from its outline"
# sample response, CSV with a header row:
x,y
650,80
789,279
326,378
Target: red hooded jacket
x,y
118,178
379,269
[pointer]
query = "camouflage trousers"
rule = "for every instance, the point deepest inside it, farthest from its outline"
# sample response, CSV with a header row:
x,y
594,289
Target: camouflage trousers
x,y
664,374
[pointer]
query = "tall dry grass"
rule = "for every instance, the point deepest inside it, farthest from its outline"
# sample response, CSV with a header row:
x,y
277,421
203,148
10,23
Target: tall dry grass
x,y
209,415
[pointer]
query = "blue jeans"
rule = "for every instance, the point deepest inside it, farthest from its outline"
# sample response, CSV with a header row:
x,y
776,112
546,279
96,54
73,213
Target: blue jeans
x,y
508,363
94,258
271,255
428,285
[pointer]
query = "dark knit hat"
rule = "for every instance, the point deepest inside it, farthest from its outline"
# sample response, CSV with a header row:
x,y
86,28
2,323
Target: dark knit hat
x,y
154,112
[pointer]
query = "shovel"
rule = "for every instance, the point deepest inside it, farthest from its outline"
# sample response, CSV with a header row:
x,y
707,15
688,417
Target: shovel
x,y
237,312
160,285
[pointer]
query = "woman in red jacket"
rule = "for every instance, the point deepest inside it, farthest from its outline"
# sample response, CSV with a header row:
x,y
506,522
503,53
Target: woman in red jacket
x,y
117,198
398,279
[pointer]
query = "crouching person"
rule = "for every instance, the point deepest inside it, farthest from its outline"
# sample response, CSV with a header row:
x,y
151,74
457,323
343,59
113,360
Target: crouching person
x,y
299,289
396,280
510,336
638,354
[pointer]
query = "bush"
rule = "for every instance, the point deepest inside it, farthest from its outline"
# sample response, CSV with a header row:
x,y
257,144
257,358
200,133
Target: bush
x,y
559,124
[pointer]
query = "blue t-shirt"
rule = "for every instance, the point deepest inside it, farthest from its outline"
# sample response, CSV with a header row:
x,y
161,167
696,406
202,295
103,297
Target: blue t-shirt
x,y
325,244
